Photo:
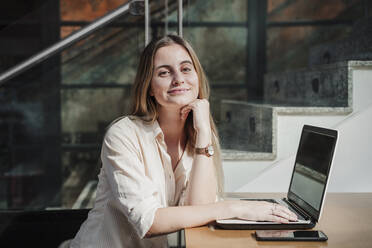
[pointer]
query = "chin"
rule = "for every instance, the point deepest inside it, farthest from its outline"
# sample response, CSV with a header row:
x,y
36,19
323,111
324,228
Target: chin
x,y
186,101
178,103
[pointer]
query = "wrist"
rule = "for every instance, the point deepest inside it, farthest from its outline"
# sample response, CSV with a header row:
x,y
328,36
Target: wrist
x,y
226,210
203,139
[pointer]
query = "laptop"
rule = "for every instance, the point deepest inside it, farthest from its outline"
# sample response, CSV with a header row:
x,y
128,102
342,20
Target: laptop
x,y
308,185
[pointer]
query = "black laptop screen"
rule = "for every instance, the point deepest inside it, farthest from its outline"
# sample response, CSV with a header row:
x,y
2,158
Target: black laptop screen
x,y
313,161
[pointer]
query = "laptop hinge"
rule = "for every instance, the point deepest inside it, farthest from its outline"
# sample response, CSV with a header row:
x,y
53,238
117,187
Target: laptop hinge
x,y
299,209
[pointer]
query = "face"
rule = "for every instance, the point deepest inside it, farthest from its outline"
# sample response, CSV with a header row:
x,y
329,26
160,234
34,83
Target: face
x,y
174,82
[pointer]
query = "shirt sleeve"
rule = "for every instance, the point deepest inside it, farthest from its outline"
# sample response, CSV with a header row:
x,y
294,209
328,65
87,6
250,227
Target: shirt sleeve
x,y
135,191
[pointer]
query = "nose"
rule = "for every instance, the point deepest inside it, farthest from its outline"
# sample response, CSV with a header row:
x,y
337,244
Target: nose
x,y
178,79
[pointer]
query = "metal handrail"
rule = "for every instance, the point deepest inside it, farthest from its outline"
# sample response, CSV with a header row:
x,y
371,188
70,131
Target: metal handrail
x,y
166,11
180,17
147,22
66,42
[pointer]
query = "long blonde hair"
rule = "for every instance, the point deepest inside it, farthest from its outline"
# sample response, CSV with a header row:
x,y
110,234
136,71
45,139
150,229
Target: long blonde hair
x,y
144,105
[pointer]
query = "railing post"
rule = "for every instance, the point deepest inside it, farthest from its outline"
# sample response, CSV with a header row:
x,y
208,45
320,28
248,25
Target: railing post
x,y
256,50
180,31
147,22
166,16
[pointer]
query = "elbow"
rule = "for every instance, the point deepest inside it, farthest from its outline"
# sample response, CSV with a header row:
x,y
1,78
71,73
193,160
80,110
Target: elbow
x,y
151,232
154,231
148,235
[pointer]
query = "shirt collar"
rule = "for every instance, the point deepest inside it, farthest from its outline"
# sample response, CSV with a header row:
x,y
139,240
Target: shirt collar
x,y
152,129
158,133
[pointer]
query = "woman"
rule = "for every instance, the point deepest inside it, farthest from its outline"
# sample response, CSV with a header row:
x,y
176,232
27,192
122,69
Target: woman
x,y
159,171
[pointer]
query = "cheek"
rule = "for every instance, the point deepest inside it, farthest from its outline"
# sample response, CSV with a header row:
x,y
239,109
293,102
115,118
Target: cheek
x,y
196,84
156,88
153,88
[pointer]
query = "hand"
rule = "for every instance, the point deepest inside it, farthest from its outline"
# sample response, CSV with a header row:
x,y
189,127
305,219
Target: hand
x,y
262,211
200,110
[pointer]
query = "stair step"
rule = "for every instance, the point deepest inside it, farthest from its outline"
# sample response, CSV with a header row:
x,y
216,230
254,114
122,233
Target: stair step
x,y
327,86
246,131
235,155
356,47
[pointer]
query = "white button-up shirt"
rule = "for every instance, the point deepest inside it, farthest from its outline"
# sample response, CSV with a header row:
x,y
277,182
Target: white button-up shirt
x,y
136,179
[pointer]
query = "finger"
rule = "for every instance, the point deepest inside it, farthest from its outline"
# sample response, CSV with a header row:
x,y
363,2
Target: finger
x,y
275,218
291,215
185,114
185,108
199,103
284,213
194,103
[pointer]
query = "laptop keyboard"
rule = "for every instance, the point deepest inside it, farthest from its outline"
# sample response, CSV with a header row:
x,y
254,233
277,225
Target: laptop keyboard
x,y
299,217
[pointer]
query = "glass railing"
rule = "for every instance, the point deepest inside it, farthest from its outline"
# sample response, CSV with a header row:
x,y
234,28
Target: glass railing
x,y
35,26
53,115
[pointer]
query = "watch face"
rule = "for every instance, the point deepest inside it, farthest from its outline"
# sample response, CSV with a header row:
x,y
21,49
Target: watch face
x,y
210,150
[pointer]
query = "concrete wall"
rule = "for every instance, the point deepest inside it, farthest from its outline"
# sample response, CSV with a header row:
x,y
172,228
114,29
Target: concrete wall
x,y
352,165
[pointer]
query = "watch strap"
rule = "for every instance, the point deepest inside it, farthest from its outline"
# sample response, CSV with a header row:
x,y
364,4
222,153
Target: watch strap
x,y
208,150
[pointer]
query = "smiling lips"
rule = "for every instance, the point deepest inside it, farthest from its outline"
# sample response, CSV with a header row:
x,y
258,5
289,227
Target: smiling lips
x,y
177,91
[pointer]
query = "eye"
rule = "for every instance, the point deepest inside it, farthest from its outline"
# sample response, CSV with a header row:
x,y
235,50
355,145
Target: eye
x,y
186,69
163,73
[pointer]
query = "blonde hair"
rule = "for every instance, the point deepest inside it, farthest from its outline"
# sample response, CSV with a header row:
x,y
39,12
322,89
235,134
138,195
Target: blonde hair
x,y
144,105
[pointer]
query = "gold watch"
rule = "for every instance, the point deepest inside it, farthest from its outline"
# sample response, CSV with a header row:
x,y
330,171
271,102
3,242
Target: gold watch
x,y
207,151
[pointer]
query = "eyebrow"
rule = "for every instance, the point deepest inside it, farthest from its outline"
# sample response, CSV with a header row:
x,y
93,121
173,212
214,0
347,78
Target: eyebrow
x,y
168,66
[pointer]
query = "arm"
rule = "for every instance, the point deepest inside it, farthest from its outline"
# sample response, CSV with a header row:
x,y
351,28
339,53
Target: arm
x,y
202,185
171,219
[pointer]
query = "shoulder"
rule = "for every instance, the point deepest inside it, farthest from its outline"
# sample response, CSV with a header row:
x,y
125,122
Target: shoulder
x,y
123,122
127,127
120,127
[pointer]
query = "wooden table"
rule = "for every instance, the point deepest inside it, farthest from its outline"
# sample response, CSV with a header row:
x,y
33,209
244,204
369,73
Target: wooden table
x,y
346,220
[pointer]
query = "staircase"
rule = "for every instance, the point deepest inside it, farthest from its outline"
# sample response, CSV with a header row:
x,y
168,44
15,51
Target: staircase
x,y
333,92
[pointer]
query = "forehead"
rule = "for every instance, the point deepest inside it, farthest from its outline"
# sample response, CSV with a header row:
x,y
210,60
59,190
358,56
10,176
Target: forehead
x,y
172,54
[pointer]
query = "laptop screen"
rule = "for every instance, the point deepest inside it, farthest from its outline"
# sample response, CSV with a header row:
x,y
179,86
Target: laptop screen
x,y
312,167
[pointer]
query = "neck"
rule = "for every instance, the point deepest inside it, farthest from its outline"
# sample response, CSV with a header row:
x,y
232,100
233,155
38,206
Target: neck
x,y
172,125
